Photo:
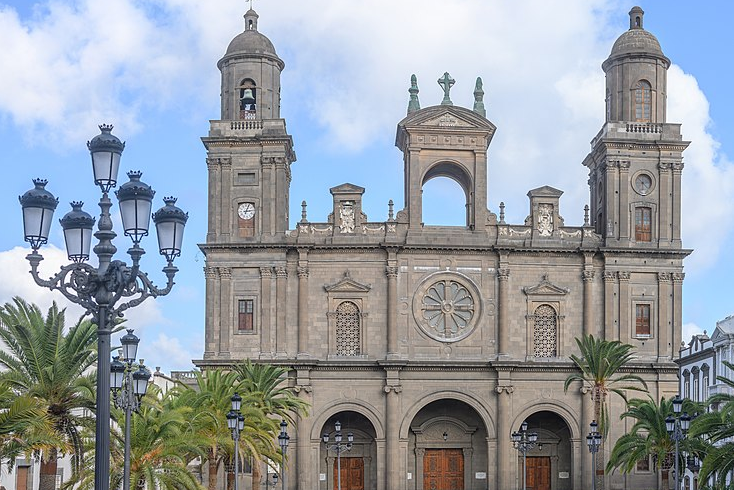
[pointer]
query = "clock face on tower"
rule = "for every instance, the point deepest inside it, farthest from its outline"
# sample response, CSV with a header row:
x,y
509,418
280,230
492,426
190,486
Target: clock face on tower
x,y
246,210
643,183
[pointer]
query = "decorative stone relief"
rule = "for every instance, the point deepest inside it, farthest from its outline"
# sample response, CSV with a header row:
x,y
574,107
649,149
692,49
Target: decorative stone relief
x,y
545,219
346,217
447,306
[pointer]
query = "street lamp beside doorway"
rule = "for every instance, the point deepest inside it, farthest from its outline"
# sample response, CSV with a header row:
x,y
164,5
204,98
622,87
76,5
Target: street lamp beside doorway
x,y
338,447
593,440
283,439
524,441
236,423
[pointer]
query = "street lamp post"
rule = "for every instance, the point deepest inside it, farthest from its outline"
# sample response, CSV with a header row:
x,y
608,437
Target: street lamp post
x,y
338,447
267,479
98,289
236,423
677,426
128,389
283,439
593,440
524,441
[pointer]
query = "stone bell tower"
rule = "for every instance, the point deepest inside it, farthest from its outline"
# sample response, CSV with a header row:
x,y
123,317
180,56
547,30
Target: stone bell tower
x,y
636,160
249,150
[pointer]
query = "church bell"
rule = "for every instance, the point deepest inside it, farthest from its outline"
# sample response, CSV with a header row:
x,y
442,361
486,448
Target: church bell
x,y
247,96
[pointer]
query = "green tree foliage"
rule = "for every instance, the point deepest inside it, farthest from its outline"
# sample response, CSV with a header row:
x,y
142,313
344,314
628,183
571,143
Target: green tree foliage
x,y
53,367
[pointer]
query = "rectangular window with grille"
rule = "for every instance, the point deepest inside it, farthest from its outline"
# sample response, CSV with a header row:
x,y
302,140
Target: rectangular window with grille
x,y
643,464
245,315
643,224
642,320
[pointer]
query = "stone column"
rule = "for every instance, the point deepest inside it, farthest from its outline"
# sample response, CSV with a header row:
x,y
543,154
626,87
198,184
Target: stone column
x,y
212,166
504,429
392,430
225,275
282,183
612,202
266,344
391,271
305,468
588,278
664,333
503,348
624,307
665,213
611,331
210,346
420,454
677,319
227,211
677,170
302,304
281,304
624,207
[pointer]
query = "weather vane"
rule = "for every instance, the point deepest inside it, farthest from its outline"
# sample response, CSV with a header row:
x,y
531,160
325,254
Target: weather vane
x,y
250,2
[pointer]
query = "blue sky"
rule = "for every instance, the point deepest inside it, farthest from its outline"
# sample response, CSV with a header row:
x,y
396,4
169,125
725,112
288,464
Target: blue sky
x,y
149,68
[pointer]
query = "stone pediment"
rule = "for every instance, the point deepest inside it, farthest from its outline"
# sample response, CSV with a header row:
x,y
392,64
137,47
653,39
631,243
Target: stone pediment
x,y
347,285
545,288
347,188
545,191
447,117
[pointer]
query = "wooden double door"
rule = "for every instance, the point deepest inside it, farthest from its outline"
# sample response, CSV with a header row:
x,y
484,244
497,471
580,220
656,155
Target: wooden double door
x,y
538,473
443,469
352,474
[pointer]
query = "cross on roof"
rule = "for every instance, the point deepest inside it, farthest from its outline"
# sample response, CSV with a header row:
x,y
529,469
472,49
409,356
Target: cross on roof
x,y
446,82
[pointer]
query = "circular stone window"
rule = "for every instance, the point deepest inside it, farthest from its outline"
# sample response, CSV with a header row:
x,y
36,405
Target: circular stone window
x,y
447,306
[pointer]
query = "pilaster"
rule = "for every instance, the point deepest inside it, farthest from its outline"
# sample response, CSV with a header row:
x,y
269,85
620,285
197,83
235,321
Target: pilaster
x,y
281,342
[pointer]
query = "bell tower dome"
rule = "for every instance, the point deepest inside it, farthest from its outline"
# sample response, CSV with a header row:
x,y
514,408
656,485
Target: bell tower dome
x,y
636,73
250,75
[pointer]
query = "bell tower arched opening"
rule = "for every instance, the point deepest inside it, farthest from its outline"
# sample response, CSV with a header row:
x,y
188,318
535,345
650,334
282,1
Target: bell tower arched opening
x,y
446,195
247,92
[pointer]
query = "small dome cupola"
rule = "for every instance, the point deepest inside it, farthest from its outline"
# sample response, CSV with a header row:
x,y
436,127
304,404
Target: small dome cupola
x,y
636,71
251,20
250,75
636,17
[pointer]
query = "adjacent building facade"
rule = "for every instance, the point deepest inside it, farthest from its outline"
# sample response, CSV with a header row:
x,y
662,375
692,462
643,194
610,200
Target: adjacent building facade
x,y
432,344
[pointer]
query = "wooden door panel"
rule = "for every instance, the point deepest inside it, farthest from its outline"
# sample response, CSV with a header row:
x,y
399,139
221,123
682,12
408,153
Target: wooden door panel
x,y
538,473
443,469
352,473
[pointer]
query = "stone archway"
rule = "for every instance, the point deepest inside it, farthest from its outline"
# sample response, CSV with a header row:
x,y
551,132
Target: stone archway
x,y
358,465
550,465
447,446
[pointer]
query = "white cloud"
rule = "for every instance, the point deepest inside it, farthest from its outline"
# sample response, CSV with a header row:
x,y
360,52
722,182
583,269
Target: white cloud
x,y
689,330
168,353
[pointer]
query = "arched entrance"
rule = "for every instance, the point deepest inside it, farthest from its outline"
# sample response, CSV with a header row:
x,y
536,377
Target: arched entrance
x,y
549,465
358,463
447,447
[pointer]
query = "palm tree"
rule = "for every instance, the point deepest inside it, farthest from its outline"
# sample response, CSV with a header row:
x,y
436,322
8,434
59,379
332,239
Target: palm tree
x,y
45,363
160,449
716,428
24,427
264,387
599,364
209,401
647,438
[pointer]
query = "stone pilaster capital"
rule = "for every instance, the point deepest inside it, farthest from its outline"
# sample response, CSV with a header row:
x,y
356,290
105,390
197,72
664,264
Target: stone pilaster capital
x,y
665,276
396,388
225,272
503,274
678,276
587,275
623,275
302,272
391,272
266,272
304,388
420,452
210,272
504,388
664,166
624,165
281,272
677,167
609,276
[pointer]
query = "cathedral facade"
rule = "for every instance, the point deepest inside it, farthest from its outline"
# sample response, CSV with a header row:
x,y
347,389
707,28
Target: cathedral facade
x,y
432,344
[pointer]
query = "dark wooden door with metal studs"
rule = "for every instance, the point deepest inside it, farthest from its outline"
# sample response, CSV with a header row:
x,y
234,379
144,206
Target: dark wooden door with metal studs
x,y
539,473
352,474
443,469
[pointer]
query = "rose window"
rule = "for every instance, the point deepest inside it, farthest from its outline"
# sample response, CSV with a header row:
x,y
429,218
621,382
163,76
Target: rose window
x,y
446,307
